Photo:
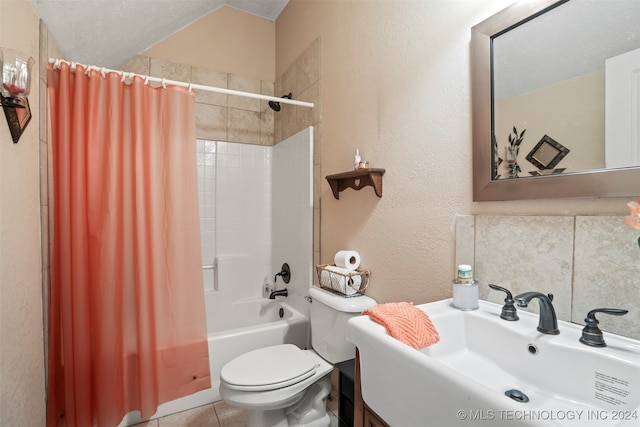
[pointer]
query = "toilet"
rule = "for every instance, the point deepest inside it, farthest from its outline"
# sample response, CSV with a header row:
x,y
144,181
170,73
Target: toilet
x,y
282,385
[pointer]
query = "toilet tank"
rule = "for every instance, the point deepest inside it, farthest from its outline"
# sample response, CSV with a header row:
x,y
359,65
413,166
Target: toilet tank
x,y
329,315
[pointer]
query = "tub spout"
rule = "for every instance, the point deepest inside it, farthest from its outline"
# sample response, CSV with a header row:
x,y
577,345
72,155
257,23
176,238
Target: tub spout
x,y
280,293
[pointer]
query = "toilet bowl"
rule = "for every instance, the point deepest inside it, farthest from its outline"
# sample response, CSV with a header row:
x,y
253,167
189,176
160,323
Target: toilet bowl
x,y
283,385
272,382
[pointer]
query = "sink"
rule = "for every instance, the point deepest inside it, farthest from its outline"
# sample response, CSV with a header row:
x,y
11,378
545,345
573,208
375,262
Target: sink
x,y
483,366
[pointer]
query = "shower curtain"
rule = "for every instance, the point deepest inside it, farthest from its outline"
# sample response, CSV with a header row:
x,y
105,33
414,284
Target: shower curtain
x,y
127,321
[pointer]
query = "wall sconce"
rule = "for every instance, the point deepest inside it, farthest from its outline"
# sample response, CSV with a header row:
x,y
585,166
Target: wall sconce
x,y
15,67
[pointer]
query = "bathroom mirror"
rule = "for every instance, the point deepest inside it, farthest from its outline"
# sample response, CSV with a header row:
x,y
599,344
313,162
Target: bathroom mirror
x,y
517,35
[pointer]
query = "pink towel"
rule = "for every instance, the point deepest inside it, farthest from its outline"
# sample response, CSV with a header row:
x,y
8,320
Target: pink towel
x,y
405,323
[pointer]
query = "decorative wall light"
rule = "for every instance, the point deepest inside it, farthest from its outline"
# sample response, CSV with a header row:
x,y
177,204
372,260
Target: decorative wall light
x,y
15,67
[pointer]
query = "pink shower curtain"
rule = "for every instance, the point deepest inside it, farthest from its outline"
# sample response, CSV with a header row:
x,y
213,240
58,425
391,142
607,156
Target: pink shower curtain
x,y
127,320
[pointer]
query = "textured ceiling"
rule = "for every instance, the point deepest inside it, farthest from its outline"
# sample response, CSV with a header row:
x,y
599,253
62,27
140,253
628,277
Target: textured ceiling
x,y
571,40
109,32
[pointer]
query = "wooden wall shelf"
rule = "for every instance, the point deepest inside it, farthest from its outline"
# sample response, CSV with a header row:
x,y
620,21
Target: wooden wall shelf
x,y
356,179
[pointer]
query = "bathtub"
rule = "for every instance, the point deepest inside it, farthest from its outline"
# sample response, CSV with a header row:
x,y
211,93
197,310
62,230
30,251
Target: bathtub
x,y
233,329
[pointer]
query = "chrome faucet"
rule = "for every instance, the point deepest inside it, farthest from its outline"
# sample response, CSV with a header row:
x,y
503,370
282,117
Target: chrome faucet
x,y
548,323
280,293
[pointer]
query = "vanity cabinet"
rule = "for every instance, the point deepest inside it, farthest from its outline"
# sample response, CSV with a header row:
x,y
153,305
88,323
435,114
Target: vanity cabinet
x,y
372,420
363,415
346,387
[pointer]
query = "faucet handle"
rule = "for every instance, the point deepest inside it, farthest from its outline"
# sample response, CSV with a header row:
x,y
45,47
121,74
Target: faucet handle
x,y
509,311
500,288
591,334
285,273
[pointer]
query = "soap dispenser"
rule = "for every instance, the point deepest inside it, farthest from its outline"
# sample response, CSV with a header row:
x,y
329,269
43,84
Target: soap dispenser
x,y
465,289
357,159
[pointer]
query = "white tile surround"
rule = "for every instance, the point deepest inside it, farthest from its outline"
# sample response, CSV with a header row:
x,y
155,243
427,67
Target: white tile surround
x,y
256,212
292,213
234,184
587,262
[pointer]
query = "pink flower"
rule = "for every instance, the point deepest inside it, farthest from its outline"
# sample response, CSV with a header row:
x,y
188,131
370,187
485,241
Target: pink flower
x,y
633,220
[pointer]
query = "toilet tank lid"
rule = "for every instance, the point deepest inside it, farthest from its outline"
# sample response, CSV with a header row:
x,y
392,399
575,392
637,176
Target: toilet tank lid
x,y
338,302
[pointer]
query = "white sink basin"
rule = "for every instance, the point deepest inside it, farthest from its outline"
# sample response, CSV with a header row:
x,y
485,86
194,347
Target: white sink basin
x,y
462,380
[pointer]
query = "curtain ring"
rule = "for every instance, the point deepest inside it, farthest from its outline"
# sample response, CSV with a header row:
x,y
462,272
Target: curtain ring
x,y
190,87
102,72
122,76
146,80
164,83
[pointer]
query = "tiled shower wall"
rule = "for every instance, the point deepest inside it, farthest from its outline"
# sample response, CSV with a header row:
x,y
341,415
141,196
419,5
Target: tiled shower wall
x,y
234,185
219,117
292,213
303,80
255,214
587,262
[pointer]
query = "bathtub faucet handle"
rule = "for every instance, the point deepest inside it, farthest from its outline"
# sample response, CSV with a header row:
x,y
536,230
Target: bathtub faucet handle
x,y
285,273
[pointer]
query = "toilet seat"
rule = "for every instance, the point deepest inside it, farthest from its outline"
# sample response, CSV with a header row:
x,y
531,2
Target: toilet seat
x,y
268,368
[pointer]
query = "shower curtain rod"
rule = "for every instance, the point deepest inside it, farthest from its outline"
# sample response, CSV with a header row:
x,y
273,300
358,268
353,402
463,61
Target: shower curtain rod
x,y
190,86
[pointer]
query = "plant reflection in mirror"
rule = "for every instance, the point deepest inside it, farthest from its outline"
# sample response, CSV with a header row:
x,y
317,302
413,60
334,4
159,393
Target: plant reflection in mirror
x,y
511,152
633,219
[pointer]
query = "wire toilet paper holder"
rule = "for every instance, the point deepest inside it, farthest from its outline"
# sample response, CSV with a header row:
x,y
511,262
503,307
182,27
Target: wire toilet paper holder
x,y
343,283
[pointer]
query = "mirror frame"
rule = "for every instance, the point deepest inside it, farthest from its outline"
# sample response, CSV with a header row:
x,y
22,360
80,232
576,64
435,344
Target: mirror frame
x,y
595,183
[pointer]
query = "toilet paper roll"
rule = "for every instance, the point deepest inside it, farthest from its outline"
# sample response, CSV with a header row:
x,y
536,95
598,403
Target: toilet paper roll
x,y
347,259
338,282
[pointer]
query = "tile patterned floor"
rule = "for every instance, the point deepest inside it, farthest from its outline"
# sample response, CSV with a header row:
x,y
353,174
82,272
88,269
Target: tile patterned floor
x,y
217,414
220,414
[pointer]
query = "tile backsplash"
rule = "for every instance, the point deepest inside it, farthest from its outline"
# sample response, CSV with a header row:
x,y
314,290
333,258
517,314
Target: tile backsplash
x,y
587,262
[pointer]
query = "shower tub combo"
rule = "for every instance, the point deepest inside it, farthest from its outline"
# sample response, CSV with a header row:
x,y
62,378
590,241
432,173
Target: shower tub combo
x,y
236,328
